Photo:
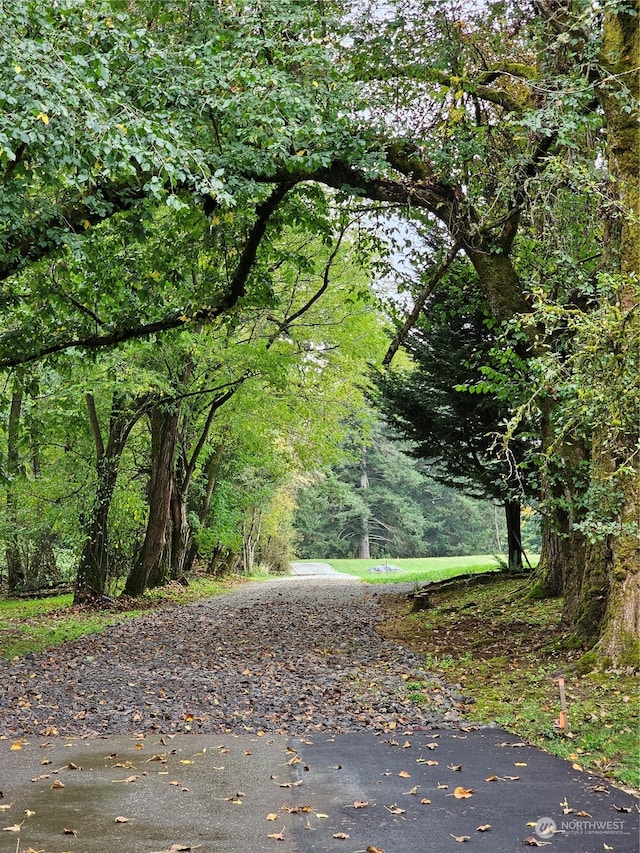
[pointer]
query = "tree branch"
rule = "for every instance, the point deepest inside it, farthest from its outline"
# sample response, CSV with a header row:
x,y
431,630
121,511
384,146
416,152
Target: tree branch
x,y
424,294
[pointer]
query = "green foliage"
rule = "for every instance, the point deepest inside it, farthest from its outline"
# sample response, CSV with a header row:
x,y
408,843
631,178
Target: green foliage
x,y
402,510
417,570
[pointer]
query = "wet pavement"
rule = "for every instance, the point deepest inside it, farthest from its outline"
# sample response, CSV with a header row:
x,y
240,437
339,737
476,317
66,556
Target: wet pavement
x,y
410,791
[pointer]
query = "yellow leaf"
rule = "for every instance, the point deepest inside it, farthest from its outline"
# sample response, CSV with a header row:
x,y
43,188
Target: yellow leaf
x,y
16,745
460,837
272,816
321,815
44,118
461,793
484,828
17,69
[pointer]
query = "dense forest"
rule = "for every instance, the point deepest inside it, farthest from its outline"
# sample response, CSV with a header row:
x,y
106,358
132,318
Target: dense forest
x,y
206,207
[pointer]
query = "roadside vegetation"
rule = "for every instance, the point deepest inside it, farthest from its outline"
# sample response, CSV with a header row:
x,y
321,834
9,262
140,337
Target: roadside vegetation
x,y
508,651
33,625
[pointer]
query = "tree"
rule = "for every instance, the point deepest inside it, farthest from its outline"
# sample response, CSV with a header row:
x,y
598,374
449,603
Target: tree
x,y
380,502
444,403
420,108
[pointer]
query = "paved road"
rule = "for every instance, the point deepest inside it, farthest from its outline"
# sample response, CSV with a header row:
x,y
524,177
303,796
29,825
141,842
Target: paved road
x,y
349,793
318,570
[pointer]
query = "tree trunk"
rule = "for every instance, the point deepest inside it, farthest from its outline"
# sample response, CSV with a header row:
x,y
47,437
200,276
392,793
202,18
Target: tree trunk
x,y
211,471
364,544
618,559
514,534
15,568
93,567
149,567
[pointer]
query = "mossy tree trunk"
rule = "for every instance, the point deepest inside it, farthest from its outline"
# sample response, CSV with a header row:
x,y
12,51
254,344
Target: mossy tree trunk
x,y
618,558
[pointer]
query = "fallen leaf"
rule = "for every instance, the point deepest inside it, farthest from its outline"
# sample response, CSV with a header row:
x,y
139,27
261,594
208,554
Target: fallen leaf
x,y
14,828
406,745
58,784
342,835
512,778
485,827
461,837
454,766
121,819
626,809
519,763
425,801
5,807
461,793
279,836
413,790
442,787
533,842
404,774
395,809
16,745
361,804
29,813
127,780
73,832
289,784
371,849
432,746
272,816
321,816
72,766
492,779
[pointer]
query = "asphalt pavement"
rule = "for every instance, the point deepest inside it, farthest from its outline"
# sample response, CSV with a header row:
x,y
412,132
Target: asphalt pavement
x,y
408,792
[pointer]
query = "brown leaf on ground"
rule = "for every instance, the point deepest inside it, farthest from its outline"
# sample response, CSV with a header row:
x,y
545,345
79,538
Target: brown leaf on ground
x,y
372,849
361,804
278,836
485,827
492,779
342,835
461,793
125,781
460,837
413,790
395,809
58,784
404,774
121,819
532,841
454,766
425,801
73,832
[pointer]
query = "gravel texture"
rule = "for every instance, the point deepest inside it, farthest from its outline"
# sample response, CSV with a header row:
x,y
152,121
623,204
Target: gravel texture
x,y
291,655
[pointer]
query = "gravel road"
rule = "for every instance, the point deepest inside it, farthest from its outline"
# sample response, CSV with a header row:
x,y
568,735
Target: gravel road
x,y
292,655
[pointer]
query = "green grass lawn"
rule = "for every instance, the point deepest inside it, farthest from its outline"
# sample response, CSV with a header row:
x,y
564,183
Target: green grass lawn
x,y
416,570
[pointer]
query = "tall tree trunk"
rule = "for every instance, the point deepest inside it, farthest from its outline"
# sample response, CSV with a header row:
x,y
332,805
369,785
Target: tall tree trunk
x,y
513,516
15,568
149,567
211,472
93,567
618,558
364,543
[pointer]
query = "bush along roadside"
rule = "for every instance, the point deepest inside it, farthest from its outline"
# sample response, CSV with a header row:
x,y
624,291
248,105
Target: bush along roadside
x,y
506,651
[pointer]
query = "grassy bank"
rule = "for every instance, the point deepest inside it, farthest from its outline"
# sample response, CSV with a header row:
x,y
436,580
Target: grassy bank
x,y
417,570
507,652
37,624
